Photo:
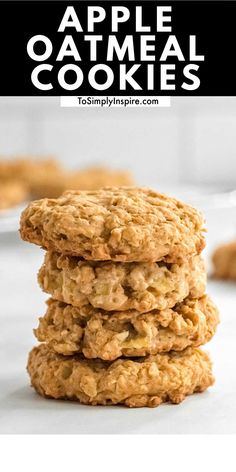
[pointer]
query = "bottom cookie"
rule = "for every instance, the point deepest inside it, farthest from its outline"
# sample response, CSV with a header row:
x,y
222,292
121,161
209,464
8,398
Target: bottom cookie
x,y
136,382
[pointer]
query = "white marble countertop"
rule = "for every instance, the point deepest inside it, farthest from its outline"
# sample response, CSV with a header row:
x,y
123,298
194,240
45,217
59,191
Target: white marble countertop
x,y
23,411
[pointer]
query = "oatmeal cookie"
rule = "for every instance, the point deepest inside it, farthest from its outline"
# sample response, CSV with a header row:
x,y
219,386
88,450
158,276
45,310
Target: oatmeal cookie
x,y
134,383
109,335
12,194
120,224
141,286
224,261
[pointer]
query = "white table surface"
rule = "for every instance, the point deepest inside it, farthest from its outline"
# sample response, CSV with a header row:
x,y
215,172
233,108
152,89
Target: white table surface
x,y
23,411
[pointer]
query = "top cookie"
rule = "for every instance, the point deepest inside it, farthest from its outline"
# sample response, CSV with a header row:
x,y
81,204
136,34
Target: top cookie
x,y
115,223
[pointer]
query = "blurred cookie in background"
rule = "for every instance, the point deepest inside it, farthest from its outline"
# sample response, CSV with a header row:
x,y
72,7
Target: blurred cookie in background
x,y
94,178
224,261
21,176
46,177
26,169
91,178
12,194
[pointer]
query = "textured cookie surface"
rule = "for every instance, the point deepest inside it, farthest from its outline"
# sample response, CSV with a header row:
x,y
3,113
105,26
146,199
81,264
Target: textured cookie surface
x,y
141,286
120,224
109,335
135,383
224,261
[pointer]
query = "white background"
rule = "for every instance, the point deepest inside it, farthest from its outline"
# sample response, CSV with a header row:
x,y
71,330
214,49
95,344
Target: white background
x,y
192,141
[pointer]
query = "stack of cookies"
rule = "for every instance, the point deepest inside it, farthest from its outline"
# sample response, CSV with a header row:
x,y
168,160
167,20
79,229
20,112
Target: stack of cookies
x,y
128,309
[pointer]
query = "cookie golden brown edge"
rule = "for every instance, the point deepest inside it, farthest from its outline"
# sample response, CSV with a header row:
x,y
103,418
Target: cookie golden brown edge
x,y
134,383
118,223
